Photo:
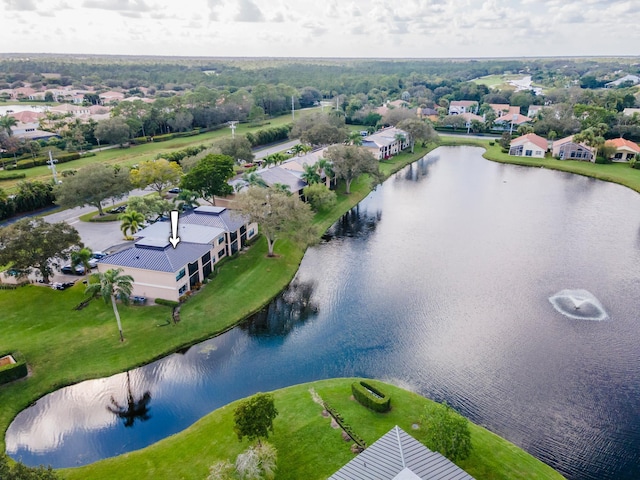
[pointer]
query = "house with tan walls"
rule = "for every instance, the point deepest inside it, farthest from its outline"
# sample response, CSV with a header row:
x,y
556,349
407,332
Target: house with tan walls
x,y
386,142
567,149
625,149
161,271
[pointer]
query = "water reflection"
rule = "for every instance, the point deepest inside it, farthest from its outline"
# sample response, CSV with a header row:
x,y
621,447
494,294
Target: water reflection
x,y
289,310
419,170
356,223
133,409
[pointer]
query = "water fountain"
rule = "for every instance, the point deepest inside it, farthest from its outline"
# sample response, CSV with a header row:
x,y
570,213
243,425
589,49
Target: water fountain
x,y
579,305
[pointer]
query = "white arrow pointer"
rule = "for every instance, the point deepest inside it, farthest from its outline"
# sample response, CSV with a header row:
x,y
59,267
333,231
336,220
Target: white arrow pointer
x,y
174,239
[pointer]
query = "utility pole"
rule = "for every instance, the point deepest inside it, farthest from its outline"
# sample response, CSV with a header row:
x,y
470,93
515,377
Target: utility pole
x,y
52,167
232,126
293,110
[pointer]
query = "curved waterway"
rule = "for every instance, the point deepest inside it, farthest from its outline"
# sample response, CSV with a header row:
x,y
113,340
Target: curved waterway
x,y
440,281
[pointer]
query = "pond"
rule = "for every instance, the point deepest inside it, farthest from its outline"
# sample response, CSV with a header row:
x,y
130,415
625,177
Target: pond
x,y
509,292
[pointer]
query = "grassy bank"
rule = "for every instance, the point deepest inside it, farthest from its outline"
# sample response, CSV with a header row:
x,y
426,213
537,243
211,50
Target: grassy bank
x,y
308,448
620,173
63,346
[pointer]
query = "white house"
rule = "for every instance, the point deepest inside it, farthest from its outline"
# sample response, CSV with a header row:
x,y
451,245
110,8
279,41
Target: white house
x,y
567,149
625,149
529,145
386,142
456,107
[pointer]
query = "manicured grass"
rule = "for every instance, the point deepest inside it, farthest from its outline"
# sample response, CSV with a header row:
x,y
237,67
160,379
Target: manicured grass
x,y
308,448
620,173
147,151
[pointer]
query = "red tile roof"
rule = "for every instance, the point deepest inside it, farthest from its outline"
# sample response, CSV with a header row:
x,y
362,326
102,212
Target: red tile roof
x,y
621,143
533,138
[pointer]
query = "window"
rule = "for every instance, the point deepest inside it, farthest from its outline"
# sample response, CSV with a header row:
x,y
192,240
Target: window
x,y
221,254
182,289
220,239
206,257
193,268
528,153
251,233
181,274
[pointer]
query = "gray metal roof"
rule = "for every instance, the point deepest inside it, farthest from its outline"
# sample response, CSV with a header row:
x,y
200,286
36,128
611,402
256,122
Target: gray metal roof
x,y
227,220
285,177
191,233
150,254
394,453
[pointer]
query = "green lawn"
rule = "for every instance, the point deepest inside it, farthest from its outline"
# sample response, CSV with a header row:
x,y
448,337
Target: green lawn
x,y
308,448
620,173
147,151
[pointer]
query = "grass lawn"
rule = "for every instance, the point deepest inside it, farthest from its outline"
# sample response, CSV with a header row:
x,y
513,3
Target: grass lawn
x,y
493,81
620,173
308,448
147,151
63,346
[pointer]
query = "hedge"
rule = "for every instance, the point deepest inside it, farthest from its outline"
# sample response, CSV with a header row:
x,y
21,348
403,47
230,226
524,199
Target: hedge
x,y
12,175
13,371
167,303
39,161
370,397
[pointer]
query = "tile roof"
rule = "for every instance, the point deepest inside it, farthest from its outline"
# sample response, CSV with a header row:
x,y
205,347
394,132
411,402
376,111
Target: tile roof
x,y
157,254
462,103
397,455
517,118
533,138
622,143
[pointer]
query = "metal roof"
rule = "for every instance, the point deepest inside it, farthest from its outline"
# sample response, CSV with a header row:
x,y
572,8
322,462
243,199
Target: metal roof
x,y
285,177
157,258
227,220
393,454
190,233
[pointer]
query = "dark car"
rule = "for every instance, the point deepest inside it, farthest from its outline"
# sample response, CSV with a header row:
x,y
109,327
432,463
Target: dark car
x,y
175,190
119,209
69,270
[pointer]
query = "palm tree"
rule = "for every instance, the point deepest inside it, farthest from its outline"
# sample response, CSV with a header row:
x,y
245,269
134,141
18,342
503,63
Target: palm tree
x,y
112,284
82,257
310,174
134,409
253,179
324,165
355,138
306,149
6,122
131,222
298,149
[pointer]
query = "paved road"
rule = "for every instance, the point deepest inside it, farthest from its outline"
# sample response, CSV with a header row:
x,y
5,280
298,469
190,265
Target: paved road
x,y
279,147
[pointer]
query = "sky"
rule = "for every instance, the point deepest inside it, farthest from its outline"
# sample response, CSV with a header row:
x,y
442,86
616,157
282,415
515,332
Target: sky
x,y
323,28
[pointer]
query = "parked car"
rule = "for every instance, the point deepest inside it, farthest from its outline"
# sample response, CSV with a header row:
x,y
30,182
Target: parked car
x,y
175,190
119,209
93,262
69,270
98,255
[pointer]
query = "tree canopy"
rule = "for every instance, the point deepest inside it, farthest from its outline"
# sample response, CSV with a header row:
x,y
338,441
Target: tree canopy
x,y
91,185
320,129
278,214
158,174
417,130
254,417
447,432
350,161
209,177
35,243
113,130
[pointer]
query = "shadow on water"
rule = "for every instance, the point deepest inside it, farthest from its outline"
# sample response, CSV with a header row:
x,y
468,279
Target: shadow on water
x,y
289,310
133,409
419,170
356,223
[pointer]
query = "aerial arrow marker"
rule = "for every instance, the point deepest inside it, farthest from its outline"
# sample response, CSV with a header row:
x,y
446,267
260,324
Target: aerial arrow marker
x,y
174,239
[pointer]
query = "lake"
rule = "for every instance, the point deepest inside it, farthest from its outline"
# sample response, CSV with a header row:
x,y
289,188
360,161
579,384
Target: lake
x,y
439,281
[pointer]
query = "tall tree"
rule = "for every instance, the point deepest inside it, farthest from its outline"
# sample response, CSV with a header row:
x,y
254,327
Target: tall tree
x,y
209,177
91,185
237,148
278,215
253,418
159,174
6,122
36,243
349,162
417,130
113,130
110,285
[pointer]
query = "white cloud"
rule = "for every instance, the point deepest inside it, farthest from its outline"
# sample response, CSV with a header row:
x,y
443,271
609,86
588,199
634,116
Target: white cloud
x,y
367,28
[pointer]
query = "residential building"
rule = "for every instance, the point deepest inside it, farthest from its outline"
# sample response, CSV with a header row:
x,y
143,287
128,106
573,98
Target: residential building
x,y
75,110
534,110
456,107
529,145
567,149
633,79
159,270
625,149
510,121
630,112
398,456
279,175
111,96
501,109
386,142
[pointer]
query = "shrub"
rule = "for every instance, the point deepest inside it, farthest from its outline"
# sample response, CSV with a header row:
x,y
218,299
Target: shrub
x,y
492,143
162,138
167,303
12,175
13,371
370,397
139,140
603,160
